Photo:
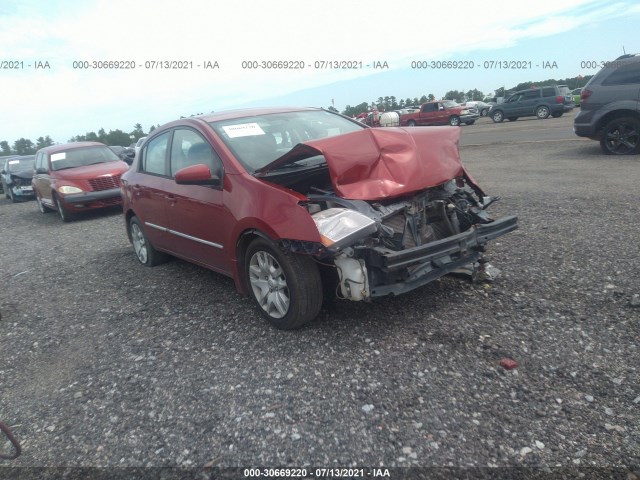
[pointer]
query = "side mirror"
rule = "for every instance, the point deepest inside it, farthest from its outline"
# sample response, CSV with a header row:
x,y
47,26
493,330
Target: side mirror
x,y
41,170
3,172
196,175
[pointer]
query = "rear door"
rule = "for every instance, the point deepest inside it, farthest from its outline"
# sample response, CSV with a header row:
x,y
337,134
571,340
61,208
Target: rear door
x,y
198,220
528,102
428,114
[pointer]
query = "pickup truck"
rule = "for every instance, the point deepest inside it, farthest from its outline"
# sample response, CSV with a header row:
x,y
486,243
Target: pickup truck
x,y
443,112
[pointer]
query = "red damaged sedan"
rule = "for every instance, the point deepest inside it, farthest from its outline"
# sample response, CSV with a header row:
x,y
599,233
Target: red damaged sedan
x,y
288,201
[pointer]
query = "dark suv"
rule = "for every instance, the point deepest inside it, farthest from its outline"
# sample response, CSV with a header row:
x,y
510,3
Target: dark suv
x,y
539,101
610,107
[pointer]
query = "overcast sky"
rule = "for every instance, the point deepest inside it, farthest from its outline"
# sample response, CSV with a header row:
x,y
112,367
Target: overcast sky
x,y
63,101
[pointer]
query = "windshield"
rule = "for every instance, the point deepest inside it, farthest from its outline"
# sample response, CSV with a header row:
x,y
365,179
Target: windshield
x,y
80,157
449,103
20,164
259,140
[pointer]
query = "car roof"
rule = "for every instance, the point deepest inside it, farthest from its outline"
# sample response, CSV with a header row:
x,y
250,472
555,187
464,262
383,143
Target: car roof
x,y
250,112
69,146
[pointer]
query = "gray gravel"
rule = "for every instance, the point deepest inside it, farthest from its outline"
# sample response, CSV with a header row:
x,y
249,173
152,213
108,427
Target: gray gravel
x,y
107,363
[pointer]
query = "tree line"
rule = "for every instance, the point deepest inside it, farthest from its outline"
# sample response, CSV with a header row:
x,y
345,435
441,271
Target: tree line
x,y
24,146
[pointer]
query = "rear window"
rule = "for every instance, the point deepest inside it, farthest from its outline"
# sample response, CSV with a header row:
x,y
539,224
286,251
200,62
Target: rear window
x,y
625,75
81,157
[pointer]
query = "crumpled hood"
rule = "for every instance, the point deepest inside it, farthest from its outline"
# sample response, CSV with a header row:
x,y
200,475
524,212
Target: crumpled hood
x,y
378,163
26,174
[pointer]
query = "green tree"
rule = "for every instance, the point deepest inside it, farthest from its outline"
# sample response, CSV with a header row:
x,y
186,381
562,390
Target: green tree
x,y
117,137
24,146
431,97
474,94
151,128
332,109
137,132
455,95
102,135
5,149
42,142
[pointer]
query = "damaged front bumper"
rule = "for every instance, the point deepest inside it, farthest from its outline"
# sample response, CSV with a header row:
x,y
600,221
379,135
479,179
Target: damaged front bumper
x,y
368,272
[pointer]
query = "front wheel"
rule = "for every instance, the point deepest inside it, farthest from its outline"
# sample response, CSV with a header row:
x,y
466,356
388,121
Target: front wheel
x,y
65,215
484,112
497,117
621,137
146,254
542,112
454,121
411,123
286,287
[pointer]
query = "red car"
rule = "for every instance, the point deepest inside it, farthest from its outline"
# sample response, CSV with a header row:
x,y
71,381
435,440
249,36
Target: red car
x,y
288,201
76,177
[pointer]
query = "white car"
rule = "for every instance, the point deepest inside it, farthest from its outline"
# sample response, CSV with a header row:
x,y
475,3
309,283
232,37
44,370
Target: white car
x,y
482,107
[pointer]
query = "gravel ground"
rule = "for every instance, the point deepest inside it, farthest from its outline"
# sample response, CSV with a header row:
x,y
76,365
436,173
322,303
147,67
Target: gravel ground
x,y
107,363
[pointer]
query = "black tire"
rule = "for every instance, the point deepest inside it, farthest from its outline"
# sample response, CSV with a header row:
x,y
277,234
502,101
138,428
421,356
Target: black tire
x,y
497,116
470,122
411,123
454,121
287,288
621,136
484,112
542,112
41,206
146,254
65,215
557,115
512,119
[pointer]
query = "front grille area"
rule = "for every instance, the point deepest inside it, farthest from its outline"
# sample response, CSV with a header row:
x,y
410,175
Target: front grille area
x,y
105,183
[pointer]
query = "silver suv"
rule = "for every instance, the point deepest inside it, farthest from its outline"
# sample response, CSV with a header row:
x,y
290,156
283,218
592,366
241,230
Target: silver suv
x,y
610,107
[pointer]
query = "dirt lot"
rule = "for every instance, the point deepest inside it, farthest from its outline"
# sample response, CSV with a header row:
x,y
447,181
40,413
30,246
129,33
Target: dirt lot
x,y
107,363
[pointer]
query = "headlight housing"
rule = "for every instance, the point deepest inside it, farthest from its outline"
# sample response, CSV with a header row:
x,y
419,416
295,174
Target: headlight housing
x,y
69,189
340,227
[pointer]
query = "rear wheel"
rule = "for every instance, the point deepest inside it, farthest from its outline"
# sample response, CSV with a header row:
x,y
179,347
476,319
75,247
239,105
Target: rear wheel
x,y
497,116
286,287
512,119
147,255
454,121
64,213
412,123
542,112
621,137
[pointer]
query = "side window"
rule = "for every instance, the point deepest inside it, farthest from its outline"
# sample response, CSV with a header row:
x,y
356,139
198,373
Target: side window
x,y
190,148
625,75
548,92
530,95
154,155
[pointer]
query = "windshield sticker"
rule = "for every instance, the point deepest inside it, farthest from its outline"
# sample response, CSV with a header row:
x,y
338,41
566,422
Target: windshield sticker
x,y
14,162
58,156
243,130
